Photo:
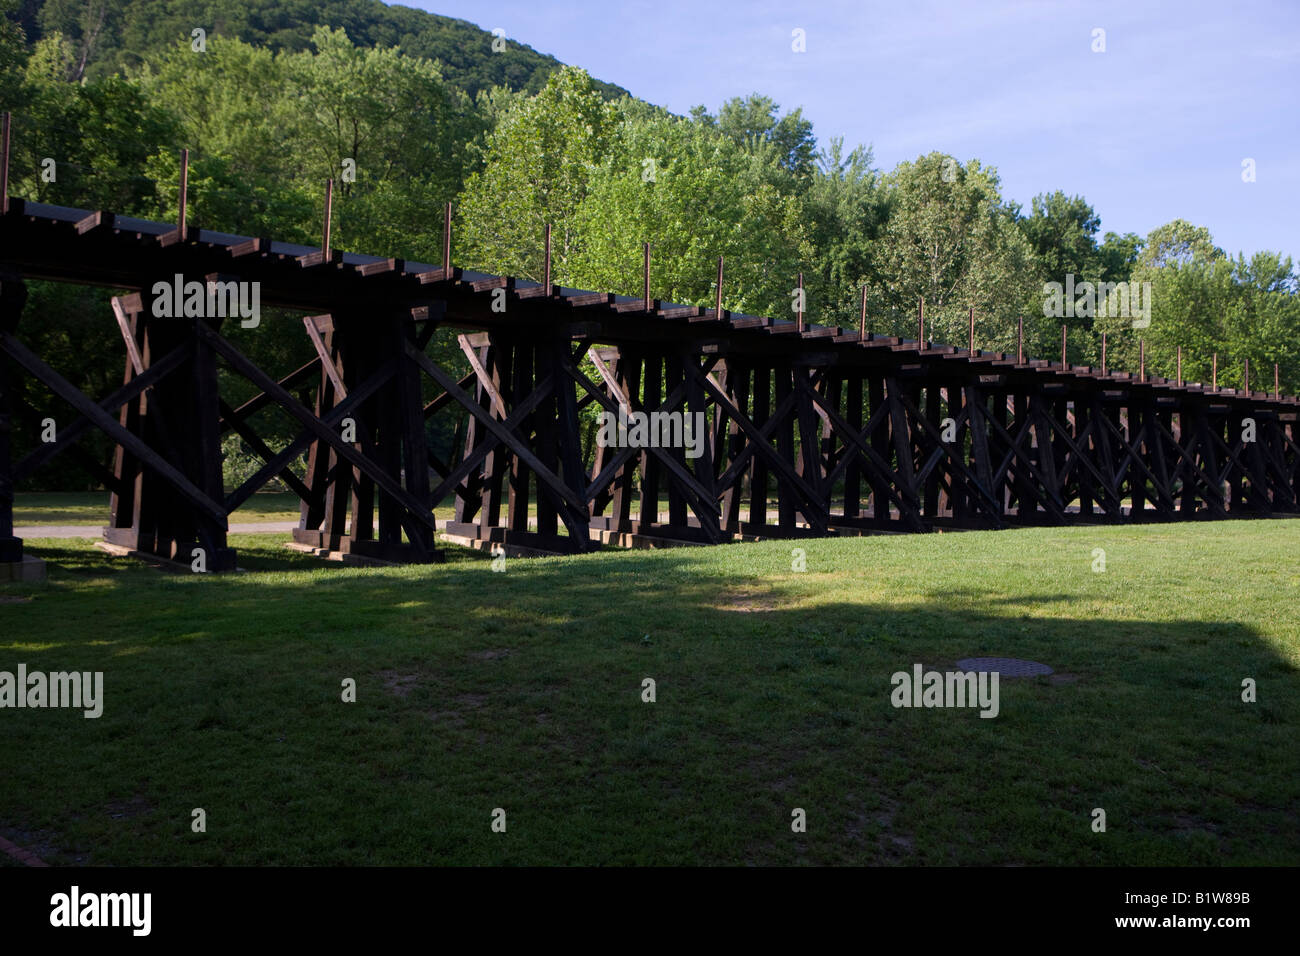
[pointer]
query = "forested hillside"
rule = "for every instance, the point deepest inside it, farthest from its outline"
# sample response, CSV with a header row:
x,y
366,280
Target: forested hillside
x,y
112,35
408,111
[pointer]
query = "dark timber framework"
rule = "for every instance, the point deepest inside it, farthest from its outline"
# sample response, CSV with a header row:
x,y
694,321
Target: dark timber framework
x,y
810,430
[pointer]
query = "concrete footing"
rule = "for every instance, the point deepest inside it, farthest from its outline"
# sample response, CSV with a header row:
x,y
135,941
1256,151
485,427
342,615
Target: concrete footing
x,y
29,570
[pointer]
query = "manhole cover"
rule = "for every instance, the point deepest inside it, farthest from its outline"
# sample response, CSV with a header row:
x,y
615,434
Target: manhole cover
x,y
1005,666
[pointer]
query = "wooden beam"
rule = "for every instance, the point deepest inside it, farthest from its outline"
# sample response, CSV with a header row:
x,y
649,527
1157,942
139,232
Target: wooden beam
x,y
101,420
485,380
570,497
419,510
4,163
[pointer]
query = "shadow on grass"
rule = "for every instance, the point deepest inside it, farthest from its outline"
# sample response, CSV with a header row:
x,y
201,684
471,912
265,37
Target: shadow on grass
x,y
524,690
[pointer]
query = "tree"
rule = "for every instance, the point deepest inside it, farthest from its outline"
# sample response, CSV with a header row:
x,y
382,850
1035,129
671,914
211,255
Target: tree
x,y
694,195
13,56
951,239
389,132
846,212
1177,242
1240,309
265,132
1118,254
1187,292
538,163
83,144
1061,231
754,119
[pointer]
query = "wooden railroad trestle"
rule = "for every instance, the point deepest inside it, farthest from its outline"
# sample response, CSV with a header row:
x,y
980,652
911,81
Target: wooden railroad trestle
x,y
810,430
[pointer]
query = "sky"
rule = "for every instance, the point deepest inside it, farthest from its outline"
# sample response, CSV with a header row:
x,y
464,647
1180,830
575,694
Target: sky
x,y
1158,126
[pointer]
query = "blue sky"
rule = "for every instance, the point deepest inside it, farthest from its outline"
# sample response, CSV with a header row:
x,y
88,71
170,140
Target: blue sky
x,y
1153,129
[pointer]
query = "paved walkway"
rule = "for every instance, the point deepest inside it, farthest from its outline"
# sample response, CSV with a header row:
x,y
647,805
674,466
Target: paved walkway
x,y
97,530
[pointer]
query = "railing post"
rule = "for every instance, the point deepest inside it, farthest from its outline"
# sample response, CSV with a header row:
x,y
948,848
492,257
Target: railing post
x,y
4,163
547,267
329,217
446,243
718,307
184,191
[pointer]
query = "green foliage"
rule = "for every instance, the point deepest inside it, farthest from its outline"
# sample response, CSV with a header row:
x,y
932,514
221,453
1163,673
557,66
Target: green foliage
x,y
688,191
1060,231
1117,255
424,111
97,134
72,336
113,35
1242,309
1177,243
753,119
846,211
539,161
951,239
13,54
239,463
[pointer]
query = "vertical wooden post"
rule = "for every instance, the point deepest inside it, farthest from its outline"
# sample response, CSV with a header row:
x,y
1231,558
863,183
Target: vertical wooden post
x,y
1214,372
329,220
1277,391
446,242
1180,366
862,319
717,312
1142,359
971,317
920,323
1020,340
1103,353
547,280
645,296
1246,375
13,296
4,163
184,190
1064,364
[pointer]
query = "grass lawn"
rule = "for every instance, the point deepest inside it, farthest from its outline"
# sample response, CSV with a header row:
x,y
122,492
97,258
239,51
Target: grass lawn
x,y
522,690
91,508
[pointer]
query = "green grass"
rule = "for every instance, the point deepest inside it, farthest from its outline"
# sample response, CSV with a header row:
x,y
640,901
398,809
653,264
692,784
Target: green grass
x,y
91,508
521,690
